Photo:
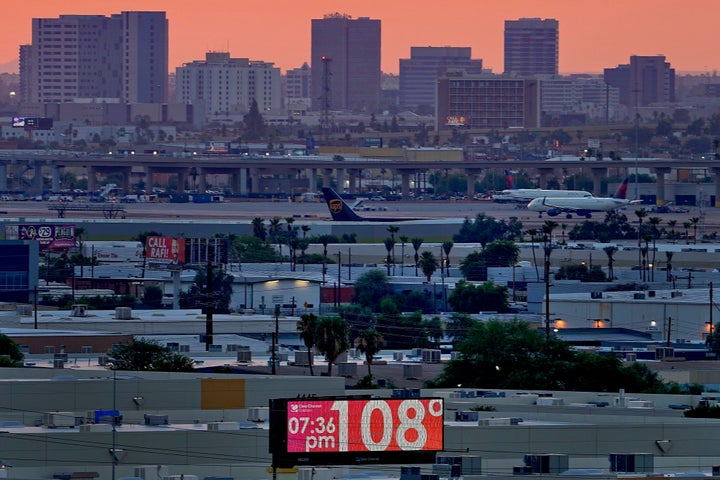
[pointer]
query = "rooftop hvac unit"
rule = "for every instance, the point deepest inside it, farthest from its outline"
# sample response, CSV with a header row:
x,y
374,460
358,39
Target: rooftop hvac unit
x,y
596,294
347,369
154,420
638,296
676,294
244,355
651,293
398,356
522,470
123,313
24,310
58,363
547,462
466,416
105,416
430,356
409,473
495,422
662,353
61,420
548,401
444,470
258,414
91,427
151,472
468,464
412,370
406,393
220,426
78,310
632,462
303,358
232,347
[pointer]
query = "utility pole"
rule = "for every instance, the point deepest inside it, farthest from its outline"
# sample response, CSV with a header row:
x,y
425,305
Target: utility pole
x,y
209,308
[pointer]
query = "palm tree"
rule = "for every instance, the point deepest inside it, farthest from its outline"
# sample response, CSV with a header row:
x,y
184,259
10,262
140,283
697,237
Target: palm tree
x,y
306,327
303,245
305,229
563,226
274,230
428,264
416,243
641,214
533,233
369,343
668,271
547,229
686,226
654,231
389,245
610,252
257,226
694,222
447,246
643,253
672,224
325,240
392,229
403,240
331,339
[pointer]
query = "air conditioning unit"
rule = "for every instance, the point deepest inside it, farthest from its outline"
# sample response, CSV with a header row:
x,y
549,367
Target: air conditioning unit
x,y
632,462
60,420
398,356
123,313
221,426
596,294
303,358
347,369
154,420
58,363
258,414
100,427
547,462
651,293
412,370
78,310
676,294
638,296
151,472
244,355
466,416
430,355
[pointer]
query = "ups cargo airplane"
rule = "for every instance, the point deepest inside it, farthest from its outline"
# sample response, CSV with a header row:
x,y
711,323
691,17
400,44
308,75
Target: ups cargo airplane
x,y
583,206
342,212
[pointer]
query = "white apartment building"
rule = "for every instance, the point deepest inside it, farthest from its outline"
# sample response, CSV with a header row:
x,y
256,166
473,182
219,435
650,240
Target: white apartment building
x,y
225,87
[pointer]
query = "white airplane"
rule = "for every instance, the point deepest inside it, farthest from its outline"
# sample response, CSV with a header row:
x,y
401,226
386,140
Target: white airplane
x,y
522,195
584,206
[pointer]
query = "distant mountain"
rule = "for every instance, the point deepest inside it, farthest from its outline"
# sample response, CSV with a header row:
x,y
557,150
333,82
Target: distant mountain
x,y
13,66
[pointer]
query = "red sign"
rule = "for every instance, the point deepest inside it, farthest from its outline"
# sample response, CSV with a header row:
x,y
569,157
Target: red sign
x,y
455,120
165,249
387,425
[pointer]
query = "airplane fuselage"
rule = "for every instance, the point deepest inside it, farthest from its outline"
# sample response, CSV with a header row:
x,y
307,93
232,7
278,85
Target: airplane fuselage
x,y
582,207
528,194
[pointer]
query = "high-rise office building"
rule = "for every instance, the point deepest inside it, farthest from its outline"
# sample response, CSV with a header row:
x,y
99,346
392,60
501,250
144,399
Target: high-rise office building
x,y
297,88
531,46
345,63
645,80
228,86
419,73
123,56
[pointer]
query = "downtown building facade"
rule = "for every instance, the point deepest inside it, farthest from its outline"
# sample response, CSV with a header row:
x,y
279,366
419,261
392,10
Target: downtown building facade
x,y
531,46
345,63
419,73
298,83
487,101
124,56
644,81
221,86
589,96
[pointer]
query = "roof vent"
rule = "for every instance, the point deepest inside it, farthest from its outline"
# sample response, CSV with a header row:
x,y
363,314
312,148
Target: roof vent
x,y
78,310
123,313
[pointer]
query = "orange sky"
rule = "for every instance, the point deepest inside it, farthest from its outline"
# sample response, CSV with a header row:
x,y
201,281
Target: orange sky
x,y
593,33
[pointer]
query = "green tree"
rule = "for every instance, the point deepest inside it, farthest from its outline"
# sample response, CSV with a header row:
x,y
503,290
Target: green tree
x,y
389,246
428,264
10,354
307,329
142,354
258,228
370,288
369,343
469,298
331,339
197,295
254,123
152,296
473,267
416,243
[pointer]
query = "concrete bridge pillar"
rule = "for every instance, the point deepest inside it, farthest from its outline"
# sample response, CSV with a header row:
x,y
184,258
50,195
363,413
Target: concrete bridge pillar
x,y
126,180
660,186
340,179
472,174
597,175
55,178
716,172
91,179
327,177
3,176
544,173
239,181
312,180
405,183
182,175
202,180
37,181
353,178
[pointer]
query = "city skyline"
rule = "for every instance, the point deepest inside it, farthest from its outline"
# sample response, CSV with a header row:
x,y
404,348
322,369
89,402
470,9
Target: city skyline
x,y
640,27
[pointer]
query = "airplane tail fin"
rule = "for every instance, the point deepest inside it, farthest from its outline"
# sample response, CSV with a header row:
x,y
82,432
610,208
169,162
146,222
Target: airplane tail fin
x,y
339,210
509,180
621,192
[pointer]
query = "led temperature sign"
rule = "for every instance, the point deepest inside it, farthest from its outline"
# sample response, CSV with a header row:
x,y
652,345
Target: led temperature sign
x,y
364,425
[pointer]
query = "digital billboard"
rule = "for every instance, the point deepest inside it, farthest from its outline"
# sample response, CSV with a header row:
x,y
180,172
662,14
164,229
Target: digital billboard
x,y
50,236
338,431
165,250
